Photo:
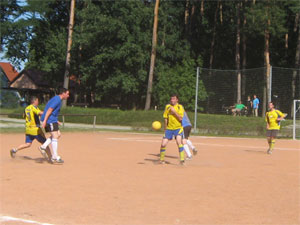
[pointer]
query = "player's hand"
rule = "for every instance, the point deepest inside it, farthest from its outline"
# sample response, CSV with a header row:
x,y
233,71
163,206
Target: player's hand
x,y
59,123
172,110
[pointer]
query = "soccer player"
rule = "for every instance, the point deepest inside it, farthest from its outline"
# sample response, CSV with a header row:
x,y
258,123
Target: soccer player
x,y
33,130
273,118
172,124
50,123
187,144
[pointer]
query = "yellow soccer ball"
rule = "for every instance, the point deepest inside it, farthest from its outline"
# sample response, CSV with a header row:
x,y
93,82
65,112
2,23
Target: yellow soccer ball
x,y
156,125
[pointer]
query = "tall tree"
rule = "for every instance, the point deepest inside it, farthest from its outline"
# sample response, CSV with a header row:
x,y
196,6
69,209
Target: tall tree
x,y
69,45
153,55
237,51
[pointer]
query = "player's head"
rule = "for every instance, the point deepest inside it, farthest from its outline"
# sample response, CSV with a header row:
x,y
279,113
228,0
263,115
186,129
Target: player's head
x,y
34,100
174,99
63,93
254,96
271,105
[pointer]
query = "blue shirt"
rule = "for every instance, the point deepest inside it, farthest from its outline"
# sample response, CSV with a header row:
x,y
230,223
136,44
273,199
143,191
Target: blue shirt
x,y
255,103
185,120
55,104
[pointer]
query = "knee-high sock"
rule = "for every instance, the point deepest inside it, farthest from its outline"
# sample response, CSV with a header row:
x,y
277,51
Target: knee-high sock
x,y
54,148
162,153
190,144
272,143
187,150
46,143
181,152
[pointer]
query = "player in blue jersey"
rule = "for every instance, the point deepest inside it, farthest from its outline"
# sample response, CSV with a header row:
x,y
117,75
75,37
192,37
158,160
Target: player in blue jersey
x,y
50,122
187,126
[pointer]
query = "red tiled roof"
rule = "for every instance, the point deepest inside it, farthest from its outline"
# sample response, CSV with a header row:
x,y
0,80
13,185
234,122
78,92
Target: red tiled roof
x,y
9,70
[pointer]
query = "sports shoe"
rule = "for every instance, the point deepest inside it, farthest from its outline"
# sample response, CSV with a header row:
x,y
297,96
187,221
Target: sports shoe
x,y
13,152
269,151
182,162
195,151
57,160
43,152
189,158
162,162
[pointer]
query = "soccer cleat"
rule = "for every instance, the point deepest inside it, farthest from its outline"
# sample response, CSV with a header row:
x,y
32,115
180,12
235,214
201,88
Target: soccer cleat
x,y
13,152
57,160
43,152
269,151
162,162
195,151
182,162
189,158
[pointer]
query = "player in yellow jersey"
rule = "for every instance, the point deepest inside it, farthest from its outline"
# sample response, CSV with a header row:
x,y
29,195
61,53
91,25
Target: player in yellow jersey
x,y
173,115
33,130
273,118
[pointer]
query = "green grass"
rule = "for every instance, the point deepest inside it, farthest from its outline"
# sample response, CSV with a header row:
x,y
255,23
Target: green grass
x,y
207,124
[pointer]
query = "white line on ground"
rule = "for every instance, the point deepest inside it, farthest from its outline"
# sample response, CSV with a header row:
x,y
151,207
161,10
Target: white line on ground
x,y
207,144
9,218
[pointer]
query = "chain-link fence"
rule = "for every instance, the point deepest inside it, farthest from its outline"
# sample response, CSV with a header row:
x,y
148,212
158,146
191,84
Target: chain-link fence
x,y
224,90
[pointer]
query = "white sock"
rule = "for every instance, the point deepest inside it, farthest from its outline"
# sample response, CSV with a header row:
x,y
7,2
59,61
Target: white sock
x,y
187,150
190,144
54,148
46,143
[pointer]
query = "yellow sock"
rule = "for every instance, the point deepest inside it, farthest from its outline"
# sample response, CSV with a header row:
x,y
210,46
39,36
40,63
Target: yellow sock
x,y
181,152
272,144
162,154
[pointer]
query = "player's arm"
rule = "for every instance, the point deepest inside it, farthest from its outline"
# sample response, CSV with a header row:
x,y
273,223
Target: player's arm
x,y
48,113
282,115
178,115
165,124
267,120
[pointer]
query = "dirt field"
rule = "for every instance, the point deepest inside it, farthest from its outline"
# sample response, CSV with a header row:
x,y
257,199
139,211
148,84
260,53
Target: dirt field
x,y
114,178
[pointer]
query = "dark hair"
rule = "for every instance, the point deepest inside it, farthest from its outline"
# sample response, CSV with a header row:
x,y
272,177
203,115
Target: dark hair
x,y
62,90
32,99
174,95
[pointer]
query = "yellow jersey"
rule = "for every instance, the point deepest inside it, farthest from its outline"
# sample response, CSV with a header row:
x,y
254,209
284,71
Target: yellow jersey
x,y
173,122
271,119
32,120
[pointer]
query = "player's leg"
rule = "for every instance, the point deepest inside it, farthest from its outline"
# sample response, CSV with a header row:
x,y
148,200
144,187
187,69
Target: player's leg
x,y
45,152
180,147
186,131
55,135
28,141
163,146
272,140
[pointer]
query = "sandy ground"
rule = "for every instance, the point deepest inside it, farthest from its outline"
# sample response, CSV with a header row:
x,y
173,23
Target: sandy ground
x,y
114,178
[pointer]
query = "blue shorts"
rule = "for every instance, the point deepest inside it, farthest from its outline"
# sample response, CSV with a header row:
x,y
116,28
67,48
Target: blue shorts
x,y
29,138
170,133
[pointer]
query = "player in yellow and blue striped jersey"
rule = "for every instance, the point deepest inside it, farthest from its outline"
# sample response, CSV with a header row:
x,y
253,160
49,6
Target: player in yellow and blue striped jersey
x,y
33,130
173,128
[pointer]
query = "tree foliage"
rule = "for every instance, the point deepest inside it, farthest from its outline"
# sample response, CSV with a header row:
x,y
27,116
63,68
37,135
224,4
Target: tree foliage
x,y
112,43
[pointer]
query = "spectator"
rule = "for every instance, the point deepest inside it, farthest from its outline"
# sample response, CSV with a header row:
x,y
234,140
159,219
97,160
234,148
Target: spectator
x,y
249,105
255,105
238,108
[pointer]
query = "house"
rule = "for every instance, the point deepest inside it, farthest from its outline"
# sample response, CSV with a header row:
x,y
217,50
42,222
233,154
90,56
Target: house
x,y
8,98
8,73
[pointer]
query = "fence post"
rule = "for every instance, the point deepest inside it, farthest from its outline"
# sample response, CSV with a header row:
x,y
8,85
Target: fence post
x,y
294,121
94,123
63,117
196,101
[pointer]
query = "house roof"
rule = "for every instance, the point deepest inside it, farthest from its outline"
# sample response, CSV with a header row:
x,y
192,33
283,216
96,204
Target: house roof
x,y
10,72
36,76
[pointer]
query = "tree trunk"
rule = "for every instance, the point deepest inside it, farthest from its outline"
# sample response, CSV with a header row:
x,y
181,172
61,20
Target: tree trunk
x,y
244,61
202,8
153,55
212,46
237,52
267,63
70,31
186,17
297,65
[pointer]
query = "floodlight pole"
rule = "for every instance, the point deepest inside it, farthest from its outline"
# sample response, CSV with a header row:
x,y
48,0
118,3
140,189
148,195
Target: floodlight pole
x,y
196,100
